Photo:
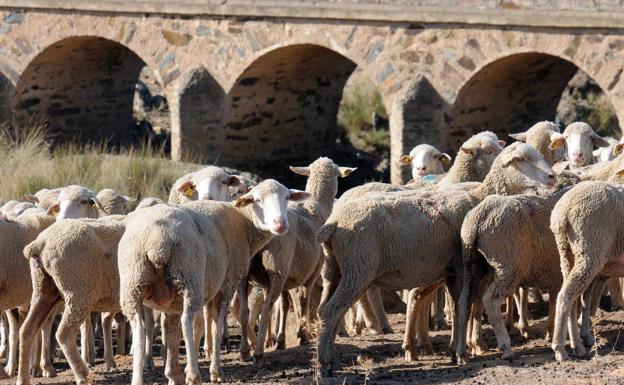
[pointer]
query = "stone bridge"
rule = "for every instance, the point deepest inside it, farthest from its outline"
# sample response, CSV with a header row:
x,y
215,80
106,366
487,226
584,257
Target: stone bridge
x,y
257,84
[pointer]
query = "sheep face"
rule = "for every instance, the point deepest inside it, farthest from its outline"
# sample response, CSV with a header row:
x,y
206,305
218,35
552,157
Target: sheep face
x,y
425,160
75,202
323,166
526,166
579,139
241,189
210,183
269,200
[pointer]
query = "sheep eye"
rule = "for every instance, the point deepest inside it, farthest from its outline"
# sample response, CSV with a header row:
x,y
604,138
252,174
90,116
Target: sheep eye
x,y
84,202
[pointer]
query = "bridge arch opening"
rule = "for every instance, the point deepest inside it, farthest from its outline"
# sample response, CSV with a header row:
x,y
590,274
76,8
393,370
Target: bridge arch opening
x,y
511,94
283,109
91,90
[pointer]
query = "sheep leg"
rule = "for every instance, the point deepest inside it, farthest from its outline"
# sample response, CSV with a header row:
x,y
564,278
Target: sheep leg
x,y
11,365
509,314
87,344
163,335
235,306
46,364
552,307
198,330
423,313
492,304
35,355
438,321
615,292
588,295
107,334
192,367
66,336
366,316
376,304
220,306
148,317
4,335
522,300
265,317
243,319
476,339
574,283
121,333
575,336
42,308
207,330
172,366
138,346
409,338
280,339
349,289
304,326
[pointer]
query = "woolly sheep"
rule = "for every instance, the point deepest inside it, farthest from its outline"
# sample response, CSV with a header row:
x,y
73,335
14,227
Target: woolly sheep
x,y
44,198
114,203
294,259
587,250
16,293
579,140
425,160
605,154
211,183
149,202
541,135
376,237
61,259
175,259
75,202
7,209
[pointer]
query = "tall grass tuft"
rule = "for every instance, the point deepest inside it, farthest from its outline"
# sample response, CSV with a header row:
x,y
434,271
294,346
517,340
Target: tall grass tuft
x,y
27,164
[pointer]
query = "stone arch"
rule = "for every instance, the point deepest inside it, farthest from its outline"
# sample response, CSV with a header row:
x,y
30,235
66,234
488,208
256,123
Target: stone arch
x,y
196,130
83,87
508,95
282,109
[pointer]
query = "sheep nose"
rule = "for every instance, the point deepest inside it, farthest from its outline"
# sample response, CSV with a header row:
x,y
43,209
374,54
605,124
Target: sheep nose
x,y
577,155
279,225
421,168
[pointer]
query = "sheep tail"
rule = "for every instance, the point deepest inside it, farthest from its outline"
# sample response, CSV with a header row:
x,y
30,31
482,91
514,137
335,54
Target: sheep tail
x,y
33,250
159,255
325,232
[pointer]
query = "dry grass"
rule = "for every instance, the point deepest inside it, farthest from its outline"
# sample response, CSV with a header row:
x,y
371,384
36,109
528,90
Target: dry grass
x,y
27,164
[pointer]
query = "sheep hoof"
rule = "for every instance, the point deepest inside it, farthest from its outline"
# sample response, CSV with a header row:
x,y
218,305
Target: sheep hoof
x,y
216,377
588,340
85,381
259,360
48,371
561,355
192,380
280,345
580,351
508,354
110,366
149,364
325,372
524,333
387,330
410,355
462,359
245,355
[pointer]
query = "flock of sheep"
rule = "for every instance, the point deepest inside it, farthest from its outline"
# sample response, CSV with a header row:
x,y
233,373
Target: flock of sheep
x,y
536,214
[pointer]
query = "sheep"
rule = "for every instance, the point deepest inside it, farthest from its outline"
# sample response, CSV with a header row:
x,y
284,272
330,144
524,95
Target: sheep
x,y
21,207
579,139
376,238
241,189
7,208
294,259
175,259
75,202
149,202
211,183
425,160
472,163
61,258
586,250
541,135
114,203
605,154
15,293
44,198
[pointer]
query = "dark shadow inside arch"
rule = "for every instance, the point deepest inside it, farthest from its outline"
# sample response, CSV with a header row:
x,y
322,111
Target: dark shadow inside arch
x,y
509,95
7,92
84,88
282,110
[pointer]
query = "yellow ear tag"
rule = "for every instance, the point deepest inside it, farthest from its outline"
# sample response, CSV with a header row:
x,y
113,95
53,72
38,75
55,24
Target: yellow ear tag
x,y
189,192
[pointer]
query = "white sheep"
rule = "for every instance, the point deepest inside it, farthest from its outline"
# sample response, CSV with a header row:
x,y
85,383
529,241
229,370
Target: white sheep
x,y
113,203
605,154
589,247
376,238
44,198
295,259
15,235
425,159
211,183
73,264
175,259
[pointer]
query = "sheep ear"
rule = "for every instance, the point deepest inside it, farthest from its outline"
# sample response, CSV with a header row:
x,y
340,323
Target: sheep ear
x,y
507,159
234,181
617,149
305,171
244,200
187,188
405,160
466,150
445,159
54,209
556,140
521,136
502,143
346,171
298,195
31,198
598,141
96,202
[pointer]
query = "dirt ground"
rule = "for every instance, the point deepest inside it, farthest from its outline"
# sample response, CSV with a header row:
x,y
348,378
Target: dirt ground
x,y
379,360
